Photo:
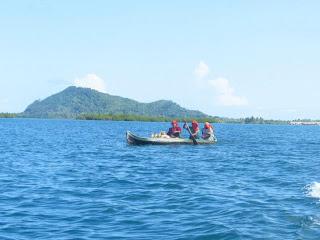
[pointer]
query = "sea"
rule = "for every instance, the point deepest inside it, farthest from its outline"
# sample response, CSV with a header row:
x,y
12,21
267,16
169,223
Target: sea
x,y
69,179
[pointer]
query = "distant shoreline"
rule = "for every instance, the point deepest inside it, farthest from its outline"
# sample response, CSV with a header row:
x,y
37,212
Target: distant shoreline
x,y
141,118
125,117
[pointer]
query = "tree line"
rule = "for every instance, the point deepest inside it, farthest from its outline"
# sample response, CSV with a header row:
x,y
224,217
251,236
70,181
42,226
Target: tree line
x,y
143,118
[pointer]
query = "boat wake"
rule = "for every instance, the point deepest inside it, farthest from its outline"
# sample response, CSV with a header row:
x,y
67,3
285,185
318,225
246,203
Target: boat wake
x,y
313,190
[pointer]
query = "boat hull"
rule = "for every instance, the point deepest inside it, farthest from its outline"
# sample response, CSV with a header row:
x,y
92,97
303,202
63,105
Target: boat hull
x,y
136,140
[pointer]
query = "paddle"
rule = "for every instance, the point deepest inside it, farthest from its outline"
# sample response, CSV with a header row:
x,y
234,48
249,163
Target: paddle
x,y
192,137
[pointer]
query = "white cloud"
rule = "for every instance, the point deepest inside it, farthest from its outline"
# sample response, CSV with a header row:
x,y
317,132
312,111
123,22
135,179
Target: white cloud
x,y
202,70
226,94
92,81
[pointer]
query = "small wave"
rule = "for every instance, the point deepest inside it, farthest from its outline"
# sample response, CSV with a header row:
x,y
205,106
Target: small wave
x,y
315,220
314,190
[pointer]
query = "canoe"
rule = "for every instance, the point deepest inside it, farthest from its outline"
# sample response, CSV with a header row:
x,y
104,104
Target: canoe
x,y
136,140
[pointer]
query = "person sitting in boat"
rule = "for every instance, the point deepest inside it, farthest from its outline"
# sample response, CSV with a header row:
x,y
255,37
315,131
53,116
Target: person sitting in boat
x,y
207,131
194,128
175,130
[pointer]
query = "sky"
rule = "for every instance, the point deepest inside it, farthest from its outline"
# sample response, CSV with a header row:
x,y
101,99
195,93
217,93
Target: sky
x,y
225,58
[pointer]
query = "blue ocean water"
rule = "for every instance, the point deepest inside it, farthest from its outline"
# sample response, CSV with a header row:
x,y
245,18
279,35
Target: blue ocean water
x,y
64,179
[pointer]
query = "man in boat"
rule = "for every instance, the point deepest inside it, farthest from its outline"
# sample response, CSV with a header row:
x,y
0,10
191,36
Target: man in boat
x,y
194,128
207,131
175,130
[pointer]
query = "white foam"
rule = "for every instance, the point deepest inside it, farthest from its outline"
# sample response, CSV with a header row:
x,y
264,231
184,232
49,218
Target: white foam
x,y
316,221
314,190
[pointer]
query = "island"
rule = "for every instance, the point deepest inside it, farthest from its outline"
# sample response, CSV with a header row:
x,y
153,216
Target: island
x,y
88,104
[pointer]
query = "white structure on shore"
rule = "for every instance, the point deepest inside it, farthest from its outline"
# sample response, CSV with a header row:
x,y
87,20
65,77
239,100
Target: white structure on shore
x,y
304,123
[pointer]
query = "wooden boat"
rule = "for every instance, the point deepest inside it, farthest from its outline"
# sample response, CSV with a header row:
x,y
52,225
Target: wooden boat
x,y
136,140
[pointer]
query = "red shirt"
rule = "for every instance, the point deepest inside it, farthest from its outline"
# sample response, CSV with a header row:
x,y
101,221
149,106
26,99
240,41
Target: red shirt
x,y
174,131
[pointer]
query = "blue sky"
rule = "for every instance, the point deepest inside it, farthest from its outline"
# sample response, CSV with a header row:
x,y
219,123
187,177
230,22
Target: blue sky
x,y
226,58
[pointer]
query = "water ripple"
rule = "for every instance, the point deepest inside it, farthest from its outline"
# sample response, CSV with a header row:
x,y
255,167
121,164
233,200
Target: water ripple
x,y
80,180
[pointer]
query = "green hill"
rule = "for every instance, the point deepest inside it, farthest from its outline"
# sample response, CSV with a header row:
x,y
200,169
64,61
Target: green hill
x,y
74,101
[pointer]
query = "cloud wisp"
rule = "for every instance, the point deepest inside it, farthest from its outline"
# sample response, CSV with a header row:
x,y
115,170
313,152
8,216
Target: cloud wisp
x,y
201,70
92,81
226,95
